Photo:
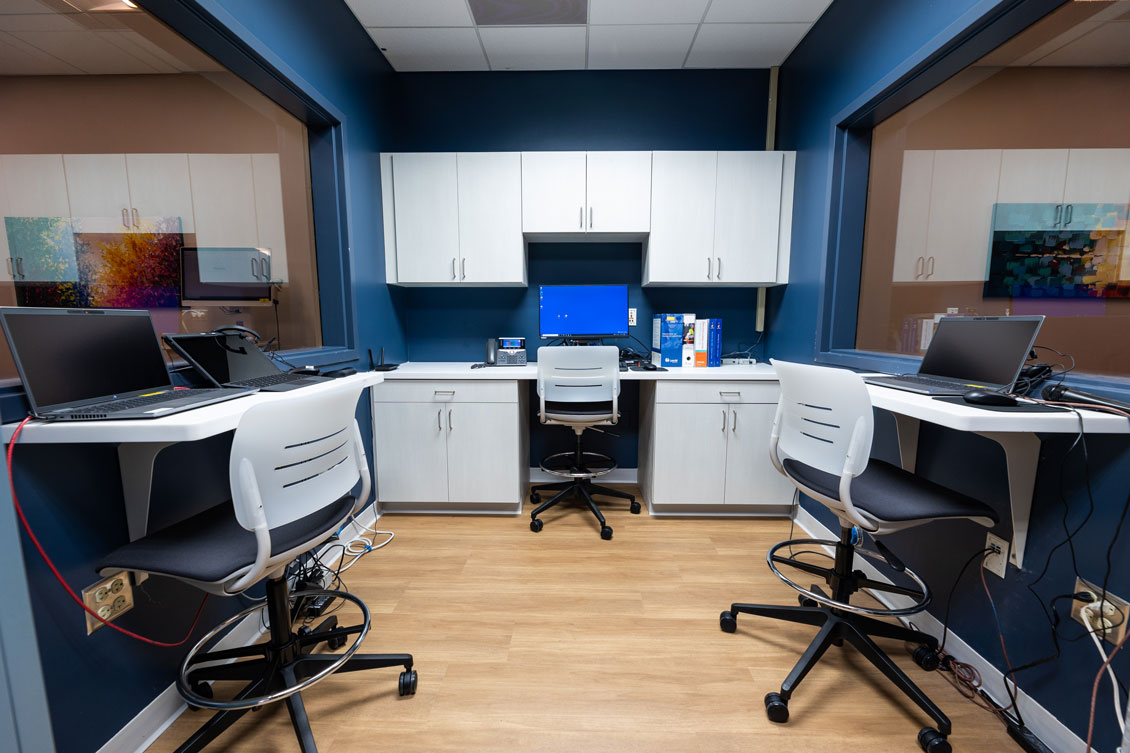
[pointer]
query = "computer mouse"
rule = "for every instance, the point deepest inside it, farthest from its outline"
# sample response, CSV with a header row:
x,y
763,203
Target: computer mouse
x,y
648,366
988,397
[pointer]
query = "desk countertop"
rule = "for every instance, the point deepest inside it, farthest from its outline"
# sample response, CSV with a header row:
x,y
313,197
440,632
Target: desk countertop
x,y
461,370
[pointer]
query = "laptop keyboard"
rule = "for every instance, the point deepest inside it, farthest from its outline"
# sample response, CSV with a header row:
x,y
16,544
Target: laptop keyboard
x,y
267,381
164,397
926,381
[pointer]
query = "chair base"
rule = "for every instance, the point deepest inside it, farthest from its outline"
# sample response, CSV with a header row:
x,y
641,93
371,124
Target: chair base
x,y
838,625
283,662
582,488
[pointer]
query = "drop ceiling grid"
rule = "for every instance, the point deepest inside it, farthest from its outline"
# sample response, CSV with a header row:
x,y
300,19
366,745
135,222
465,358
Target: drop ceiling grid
x,y
727,34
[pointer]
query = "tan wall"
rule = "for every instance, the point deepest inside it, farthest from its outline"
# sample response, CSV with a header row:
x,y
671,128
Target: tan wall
x,y
1010,108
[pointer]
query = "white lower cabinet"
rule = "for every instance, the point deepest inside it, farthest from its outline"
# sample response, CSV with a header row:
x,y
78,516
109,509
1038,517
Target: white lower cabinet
x,y
706,444
441,444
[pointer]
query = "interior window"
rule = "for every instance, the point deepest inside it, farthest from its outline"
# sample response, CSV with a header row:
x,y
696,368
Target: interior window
x,y
136,172
1005,191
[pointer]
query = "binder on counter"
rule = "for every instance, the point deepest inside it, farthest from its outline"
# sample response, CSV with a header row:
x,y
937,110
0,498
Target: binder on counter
x,y
667,340
714,343
688,340
702,335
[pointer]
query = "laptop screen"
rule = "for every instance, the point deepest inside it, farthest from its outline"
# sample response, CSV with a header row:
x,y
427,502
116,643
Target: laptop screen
x,y
225,358
73,355
984,350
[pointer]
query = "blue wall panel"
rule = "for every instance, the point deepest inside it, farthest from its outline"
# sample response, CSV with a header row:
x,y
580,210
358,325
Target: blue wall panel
x,y
849,51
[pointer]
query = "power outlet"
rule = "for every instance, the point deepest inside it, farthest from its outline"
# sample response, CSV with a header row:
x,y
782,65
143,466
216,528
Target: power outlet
x,y
110,597
631,317
996,562
1115,613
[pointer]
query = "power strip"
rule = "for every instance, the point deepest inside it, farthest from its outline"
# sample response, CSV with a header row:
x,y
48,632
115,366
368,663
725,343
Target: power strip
x,y
739,361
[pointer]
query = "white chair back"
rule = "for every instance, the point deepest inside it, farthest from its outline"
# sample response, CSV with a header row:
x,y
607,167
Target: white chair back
x,y
579,374
291,456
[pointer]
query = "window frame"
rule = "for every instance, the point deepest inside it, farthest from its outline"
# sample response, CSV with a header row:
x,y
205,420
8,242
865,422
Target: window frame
x,y
979,31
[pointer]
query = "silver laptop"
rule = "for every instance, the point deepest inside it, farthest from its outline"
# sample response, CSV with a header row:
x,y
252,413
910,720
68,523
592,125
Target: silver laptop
x,y
96,364
971,352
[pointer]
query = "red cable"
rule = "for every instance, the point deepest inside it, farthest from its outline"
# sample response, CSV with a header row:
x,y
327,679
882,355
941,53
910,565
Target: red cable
x,y
58,576
1095,688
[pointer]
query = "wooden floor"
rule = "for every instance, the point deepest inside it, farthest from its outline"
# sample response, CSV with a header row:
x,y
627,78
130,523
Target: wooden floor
x,y
559,641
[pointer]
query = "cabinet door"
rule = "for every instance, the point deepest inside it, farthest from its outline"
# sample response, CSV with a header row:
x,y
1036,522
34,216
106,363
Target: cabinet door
x,y
269,214
914,215
99,193
426,207
619,192
233,265
553,192
410,442
482,452
962,195
751,478
38,227
689,454
747,217
1032,175
1098,176
680,248
223,197
7,264
491,247
159,188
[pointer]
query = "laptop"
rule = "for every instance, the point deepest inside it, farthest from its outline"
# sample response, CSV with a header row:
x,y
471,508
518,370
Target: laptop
x,y
230,360
970,352
96,364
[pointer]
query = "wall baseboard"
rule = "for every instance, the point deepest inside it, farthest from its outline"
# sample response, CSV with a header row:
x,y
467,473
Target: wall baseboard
x,y
1051,731
141,731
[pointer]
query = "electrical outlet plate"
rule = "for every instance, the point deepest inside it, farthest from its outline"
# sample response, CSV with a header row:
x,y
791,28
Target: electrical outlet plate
x,y
996,562
631,317
110,597
1114,634
739,361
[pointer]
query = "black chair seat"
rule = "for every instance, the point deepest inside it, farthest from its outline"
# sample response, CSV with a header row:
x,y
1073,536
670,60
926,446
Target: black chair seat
x,y
889,493
211,545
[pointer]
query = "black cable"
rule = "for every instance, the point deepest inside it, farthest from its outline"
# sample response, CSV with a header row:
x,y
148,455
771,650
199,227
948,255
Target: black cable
x,y
1110,549
1009,689
646,348
949,599
278,331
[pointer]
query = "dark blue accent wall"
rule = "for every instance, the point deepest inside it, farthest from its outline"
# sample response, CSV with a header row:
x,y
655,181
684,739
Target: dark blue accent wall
x,y
846,54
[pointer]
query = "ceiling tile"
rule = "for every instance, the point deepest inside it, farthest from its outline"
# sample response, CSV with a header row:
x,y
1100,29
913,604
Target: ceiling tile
x,y
24,6
766,11
646,11
1106,46
18,59
654,46
411,12
534,48
431,49
744,45
529,12
89,51
38,22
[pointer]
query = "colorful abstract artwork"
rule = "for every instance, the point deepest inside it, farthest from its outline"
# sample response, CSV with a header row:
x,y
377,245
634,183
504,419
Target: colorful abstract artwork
x,y
1056,264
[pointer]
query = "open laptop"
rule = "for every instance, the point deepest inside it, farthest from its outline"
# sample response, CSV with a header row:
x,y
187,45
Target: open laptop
x,y
234,361
96,364
971,352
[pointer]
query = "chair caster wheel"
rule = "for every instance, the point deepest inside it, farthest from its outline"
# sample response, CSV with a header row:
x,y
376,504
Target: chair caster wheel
x,y
535,498
536,525
407,682
336,642
932,741
927,658
635,508
776,708
606,533
304,631
201,689
728,622
804,601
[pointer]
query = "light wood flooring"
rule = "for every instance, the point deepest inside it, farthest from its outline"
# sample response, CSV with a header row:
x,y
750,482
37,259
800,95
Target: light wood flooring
x,y
559,641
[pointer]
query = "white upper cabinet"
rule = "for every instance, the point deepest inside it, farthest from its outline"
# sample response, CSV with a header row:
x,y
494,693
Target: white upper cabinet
x,y
963,191
914,215
491,248
159,188
36,185
1098,176
681,245
37,220
553,192
619,192
426,202
747,217
98,190
223,196
269,214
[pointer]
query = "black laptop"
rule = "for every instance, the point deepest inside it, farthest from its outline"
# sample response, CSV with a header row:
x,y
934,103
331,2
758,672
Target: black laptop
x,y
970,352
232,360
96,364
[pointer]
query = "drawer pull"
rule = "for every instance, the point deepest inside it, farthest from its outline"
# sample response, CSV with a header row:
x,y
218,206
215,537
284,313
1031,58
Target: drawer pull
x,y
734,427
723,421
439,420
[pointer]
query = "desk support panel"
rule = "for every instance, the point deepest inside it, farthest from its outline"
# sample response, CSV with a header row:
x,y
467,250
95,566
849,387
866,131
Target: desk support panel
x,y
135,461
907,429
1022,457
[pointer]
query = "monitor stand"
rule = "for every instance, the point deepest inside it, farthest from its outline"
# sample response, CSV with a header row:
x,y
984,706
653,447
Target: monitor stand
x,y
580,341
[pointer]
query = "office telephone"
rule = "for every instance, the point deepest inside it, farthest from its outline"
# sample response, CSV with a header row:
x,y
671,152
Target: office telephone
x,y
506,351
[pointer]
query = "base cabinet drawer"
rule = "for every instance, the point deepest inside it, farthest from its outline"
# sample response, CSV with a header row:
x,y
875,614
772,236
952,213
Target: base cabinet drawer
x,y
440,391
716,392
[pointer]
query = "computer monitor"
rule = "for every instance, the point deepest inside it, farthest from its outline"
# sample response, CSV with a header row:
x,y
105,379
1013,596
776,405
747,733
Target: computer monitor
x,y
195,292
583,312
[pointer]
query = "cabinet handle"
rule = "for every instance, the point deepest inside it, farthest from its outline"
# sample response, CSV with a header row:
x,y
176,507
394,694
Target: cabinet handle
x,y
439,420
919,268
449,425
463,269
929,267
581,218
590,218
136,218
1070,214
254,272
734,428
718,272
1058,214
709,268
453,267
20,267
723,420
125,217
266,261
11,272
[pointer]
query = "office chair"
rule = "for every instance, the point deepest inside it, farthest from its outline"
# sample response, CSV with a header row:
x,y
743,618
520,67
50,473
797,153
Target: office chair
x,y
821,440
295,459
579,387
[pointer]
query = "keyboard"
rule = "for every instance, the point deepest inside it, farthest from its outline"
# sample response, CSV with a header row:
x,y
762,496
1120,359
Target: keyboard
x,y
270,380
164,397
926,381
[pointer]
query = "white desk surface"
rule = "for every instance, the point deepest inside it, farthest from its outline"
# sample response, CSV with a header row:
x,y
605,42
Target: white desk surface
x,y
460,370
188,426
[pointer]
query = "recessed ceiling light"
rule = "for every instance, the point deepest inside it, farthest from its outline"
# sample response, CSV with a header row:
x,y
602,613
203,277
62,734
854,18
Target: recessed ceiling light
x,y
130,4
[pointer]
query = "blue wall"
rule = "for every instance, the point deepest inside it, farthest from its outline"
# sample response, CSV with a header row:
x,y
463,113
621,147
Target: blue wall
x,y
848,52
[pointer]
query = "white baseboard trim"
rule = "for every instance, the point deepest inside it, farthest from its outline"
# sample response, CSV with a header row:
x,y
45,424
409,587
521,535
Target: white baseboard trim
x,y
1051,731
141,731
618,476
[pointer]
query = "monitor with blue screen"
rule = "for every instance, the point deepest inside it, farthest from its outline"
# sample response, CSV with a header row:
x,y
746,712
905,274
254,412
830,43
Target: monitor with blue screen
x,y
583,311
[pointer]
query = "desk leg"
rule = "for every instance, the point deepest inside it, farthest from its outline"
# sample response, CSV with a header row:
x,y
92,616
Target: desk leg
x,y
907,429
1022,456
135,460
